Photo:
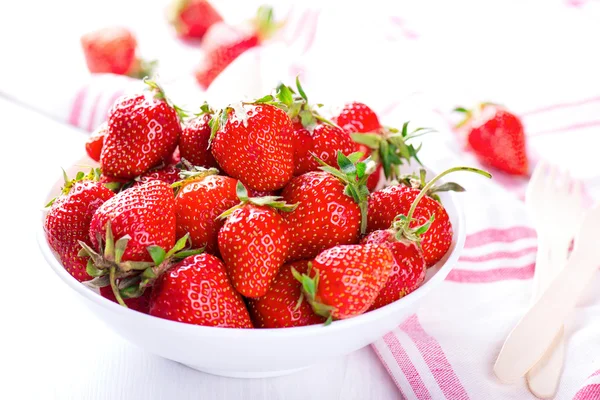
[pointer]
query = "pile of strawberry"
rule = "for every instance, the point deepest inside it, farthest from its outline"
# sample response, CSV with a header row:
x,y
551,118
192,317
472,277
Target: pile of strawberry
x,y
263,214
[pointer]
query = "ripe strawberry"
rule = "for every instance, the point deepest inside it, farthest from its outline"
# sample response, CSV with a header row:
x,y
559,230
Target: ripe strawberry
x,y
408,272
312,134
113,50
418,207
223,44
358,117
198,291
281,307
143,131
253,143
68,220
192,18
198,204
168,174
496,137
194,140
145,213
254,242
374,178
345,280
93,146
331,207
141,304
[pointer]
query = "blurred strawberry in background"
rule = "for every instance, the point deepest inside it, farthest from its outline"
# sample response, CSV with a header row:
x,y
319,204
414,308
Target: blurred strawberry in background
x,y
192,18
496,137
223,43
114,50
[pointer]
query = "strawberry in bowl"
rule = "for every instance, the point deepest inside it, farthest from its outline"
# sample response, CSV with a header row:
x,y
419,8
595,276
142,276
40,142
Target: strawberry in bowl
x,y
247,268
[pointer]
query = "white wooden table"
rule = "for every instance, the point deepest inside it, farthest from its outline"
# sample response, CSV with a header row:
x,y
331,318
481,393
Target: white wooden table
x,y
52,348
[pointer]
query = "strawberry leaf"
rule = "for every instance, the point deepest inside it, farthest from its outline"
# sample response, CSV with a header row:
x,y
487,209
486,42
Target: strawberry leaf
x,y
300,89
157,253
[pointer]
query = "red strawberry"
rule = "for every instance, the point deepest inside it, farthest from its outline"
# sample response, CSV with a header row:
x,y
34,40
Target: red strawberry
x,y
331,208
194,140
409,268
496,137
374,178
345,280
357,117
168,174
198,204
223,44
254,242
279,308
93,146
145,213
419,207
143,131
197,291
312,134
192,18
253,143
113,50
68,221
141,304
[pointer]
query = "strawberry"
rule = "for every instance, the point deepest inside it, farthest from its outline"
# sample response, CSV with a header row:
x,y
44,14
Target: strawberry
x,y
168,174
192,18
141,304
194,140
374,178
93,145
280,306
253,143
223,44
331,208
198,291
68,220
113,50
417,206
496,137
143,131
358,117
145,213
312,134
199,201
408,272
254,242
344,281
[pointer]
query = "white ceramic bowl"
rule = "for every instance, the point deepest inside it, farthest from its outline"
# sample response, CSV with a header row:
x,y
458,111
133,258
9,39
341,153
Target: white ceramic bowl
x,y
253,353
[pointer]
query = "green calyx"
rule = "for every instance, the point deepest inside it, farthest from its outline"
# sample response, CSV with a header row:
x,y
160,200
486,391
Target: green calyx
x,y
275,202
128,278
309,292
390,147
354,174
468,114
159,94
401,224
93,175
264,23
218,120
190,173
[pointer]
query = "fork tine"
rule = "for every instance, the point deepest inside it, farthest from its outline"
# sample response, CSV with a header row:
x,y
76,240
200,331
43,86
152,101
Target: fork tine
x,y
536,182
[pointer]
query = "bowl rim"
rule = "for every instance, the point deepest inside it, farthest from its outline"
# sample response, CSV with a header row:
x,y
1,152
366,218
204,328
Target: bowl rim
x,y
262,333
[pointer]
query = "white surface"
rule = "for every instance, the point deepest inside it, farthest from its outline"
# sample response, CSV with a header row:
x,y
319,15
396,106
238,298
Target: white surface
x,y
52,348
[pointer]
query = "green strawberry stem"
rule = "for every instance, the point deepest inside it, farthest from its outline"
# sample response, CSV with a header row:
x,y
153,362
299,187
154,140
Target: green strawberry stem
x,y
270,201
93,175
401,224
115,288
309,291
353,173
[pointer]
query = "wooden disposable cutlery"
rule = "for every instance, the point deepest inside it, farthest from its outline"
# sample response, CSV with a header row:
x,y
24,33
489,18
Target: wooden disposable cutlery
x,y
551,193
535,333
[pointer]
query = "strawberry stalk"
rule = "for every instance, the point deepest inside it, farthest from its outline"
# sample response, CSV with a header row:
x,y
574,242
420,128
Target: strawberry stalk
x,y
270,201
354,174
402,222
129,279
309,289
